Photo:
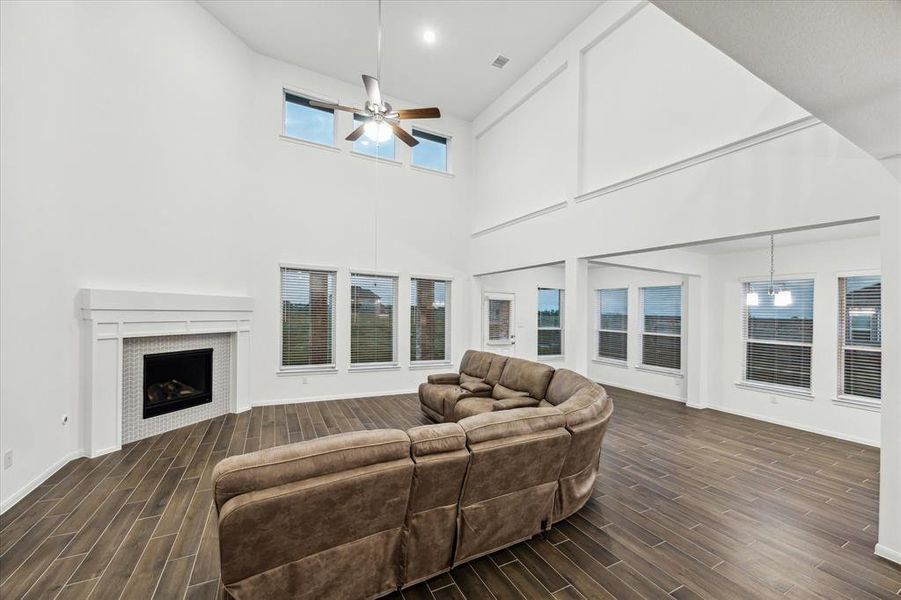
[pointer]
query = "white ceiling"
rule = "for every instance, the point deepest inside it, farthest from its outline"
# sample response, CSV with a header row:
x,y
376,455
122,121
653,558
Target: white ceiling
x,y
338,39
839,60
792,238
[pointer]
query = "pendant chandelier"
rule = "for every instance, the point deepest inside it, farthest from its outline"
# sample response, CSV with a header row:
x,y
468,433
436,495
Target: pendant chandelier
x,y
781,296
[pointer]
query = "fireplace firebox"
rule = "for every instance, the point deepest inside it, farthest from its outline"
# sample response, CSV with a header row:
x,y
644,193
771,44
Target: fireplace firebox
x,y
177,380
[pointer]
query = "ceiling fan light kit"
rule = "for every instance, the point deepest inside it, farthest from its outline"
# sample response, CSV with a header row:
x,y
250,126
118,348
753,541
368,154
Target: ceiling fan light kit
x,y
381,120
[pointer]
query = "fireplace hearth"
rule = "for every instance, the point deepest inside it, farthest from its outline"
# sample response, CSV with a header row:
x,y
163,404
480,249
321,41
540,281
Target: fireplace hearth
x,y
177,380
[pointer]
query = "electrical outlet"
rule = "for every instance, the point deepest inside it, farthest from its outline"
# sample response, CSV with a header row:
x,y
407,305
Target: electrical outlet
x,y
64,420
7,459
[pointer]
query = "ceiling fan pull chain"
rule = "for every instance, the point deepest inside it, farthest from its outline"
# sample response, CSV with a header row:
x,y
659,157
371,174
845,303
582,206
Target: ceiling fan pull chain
x,y
378,65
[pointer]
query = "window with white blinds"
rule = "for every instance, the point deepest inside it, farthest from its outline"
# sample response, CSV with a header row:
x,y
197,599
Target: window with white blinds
x,y
860,336
613,324
429,319
550,322
778,332
373,323
661,327
308,318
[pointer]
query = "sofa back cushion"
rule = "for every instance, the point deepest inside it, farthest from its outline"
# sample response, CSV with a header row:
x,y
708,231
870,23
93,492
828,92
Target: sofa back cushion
x,y
476,363
564,384
269,468
508,493
498,362
294,523
526,376
441,459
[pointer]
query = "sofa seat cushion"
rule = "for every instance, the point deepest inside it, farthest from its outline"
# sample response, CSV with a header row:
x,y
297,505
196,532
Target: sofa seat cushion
x,y
475,386
515,402
469,407
501,392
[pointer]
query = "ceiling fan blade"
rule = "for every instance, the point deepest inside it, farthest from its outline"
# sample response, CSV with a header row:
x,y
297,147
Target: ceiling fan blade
x,y
356,133
403,135
372,89
359,111
419,113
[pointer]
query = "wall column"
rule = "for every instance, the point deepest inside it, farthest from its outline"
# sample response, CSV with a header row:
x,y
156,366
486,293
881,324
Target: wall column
x,y
695,308
889,545
576,318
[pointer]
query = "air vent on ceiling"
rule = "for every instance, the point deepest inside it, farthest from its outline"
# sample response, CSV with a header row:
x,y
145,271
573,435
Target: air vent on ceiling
x,y
500,61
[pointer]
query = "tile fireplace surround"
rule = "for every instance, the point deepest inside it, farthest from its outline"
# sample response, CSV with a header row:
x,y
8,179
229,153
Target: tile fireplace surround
x,y
110,317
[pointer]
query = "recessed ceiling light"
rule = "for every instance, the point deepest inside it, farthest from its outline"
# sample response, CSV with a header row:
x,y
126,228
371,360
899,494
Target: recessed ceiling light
x,y
429,36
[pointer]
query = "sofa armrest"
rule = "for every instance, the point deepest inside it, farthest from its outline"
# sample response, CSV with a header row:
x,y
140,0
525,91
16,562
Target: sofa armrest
x,y
273,467
516,402
445,378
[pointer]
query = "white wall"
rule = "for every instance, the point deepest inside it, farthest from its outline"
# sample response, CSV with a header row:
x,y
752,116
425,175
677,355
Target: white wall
x,y
523,284
762,170
631,376
823,262
140,150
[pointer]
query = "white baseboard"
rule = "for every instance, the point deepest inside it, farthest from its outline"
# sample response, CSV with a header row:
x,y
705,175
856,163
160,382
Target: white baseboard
x,y
330,397
887,553
784,423
39,480
633,388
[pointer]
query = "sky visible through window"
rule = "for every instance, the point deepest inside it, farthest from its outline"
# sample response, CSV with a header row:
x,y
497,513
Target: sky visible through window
x,y
430,153
308,123
369,147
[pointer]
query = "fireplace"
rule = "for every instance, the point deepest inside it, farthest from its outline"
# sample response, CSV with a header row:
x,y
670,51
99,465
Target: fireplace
x,y
177,380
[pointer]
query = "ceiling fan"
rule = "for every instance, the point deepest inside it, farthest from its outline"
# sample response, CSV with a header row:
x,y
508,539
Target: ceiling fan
x,y
381,120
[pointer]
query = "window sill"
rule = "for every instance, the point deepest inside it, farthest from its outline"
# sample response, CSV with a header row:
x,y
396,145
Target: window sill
x,y
374,367
552,357
387,161
303,142
622,364
660,371
422,365
288,372
775,389
859,402
432,171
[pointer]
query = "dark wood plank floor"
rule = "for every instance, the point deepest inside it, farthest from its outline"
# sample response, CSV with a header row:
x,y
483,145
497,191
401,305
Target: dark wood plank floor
x,y
689,504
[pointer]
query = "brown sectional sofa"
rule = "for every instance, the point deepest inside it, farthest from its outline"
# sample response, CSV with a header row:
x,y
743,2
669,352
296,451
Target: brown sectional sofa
x,y
362,514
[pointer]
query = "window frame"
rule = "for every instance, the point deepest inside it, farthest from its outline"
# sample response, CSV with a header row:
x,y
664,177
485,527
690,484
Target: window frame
x,y
642,366
448,309
841,397
307,95
598,330
751,384
383,365
332,367
561,299
448,164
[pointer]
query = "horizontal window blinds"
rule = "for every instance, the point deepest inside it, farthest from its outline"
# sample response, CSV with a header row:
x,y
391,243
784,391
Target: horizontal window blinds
x,y
499,320
661,338
429,305
778,332
372,319
860,331
550,322
613,323
308,317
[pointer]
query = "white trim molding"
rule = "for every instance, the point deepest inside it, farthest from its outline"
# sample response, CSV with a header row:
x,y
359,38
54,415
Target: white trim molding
x,y
516,220
747,142
111,316
887,553
328,397
792,425
39,480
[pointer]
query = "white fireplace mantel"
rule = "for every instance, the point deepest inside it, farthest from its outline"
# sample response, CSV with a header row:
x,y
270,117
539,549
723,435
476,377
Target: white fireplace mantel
x,y
110,316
